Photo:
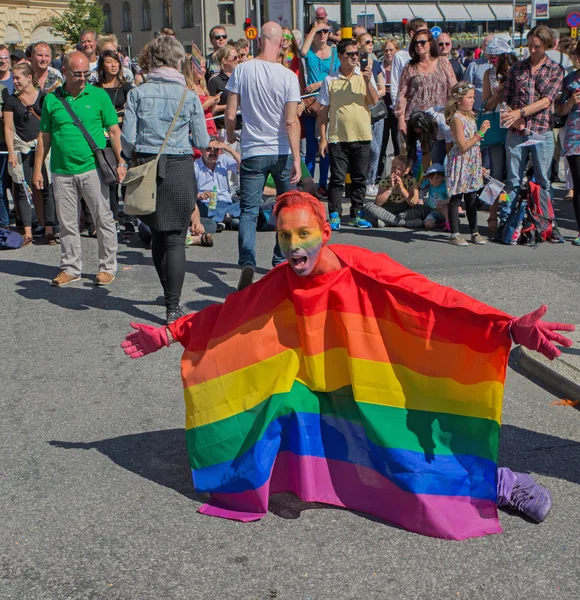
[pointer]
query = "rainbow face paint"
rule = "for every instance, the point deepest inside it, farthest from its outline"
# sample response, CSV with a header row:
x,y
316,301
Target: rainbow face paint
x,y
300,239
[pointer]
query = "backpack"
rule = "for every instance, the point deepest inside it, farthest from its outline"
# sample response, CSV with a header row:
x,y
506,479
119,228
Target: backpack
x,y
540,214
10,240
512,228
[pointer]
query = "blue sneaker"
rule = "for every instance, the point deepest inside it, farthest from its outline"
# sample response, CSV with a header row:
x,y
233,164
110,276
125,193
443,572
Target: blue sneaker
x,y
334,221
360,221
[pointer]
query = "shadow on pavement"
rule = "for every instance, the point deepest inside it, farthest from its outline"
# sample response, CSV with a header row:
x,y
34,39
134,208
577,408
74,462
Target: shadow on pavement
x,y
161,457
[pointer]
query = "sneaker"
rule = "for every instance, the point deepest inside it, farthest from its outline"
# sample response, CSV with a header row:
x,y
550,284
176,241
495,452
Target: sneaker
x,y
359,221
457,240
92,232
334,221
322,193
477,239
235,224
371,191
447,227
576,242
63,278
220,227
117,227
51,239
414,223
530,498
381,224
172,314
103,278
246,276
38,232
557,237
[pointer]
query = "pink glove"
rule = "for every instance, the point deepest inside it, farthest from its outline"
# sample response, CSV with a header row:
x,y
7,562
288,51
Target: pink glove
x,y
538,335
145,340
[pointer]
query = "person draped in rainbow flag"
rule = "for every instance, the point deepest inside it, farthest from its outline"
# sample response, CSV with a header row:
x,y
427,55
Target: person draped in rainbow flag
x,y
345,378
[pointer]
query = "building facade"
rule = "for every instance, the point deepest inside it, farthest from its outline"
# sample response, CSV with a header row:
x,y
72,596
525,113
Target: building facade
x,y
136,22
24,22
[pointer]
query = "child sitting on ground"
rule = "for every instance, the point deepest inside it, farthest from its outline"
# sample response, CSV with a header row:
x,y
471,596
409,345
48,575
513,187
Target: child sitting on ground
x,y
397,204
436,198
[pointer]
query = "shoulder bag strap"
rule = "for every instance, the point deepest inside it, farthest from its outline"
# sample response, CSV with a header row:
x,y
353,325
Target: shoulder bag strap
x,y
181,103
59,94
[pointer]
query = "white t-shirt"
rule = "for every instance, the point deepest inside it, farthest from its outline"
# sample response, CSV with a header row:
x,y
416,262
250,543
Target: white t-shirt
x,y
264,88
401,58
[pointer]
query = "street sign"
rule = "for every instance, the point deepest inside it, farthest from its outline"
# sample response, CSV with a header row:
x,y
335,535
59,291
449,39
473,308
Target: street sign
x,y
436,31
573,19
251,33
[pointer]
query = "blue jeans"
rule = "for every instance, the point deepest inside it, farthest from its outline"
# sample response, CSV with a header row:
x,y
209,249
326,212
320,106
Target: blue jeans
x,y
253,174
4,212
517,158
312,151
375,154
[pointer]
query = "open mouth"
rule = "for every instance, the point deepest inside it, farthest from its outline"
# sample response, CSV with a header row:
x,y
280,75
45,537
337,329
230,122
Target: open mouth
x,y
298,261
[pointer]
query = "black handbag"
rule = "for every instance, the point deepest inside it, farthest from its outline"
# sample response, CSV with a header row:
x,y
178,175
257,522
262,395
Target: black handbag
x,y
106,158
379,111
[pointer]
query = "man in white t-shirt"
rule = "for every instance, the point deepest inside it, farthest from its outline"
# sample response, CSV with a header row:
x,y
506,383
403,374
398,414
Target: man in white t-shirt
x,y
268,94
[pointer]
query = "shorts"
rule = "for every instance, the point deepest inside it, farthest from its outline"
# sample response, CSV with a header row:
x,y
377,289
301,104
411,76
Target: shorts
x,y
436,216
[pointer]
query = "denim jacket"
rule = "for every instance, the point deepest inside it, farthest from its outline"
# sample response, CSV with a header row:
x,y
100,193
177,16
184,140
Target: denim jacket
x,y
148,114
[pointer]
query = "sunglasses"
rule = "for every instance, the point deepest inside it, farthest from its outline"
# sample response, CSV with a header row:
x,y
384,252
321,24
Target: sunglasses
x,y
351,54
368,42
444,44
221,36
422,42
287,36
235,58
79,74
27,113
323,31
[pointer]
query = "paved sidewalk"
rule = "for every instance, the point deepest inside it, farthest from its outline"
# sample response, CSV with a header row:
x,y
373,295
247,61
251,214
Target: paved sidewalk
x,y
562,375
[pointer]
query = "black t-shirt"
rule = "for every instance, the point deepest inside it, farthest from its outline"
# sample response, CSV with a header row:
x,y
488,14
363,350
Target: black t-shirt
x,y
216,85
26,123
118,95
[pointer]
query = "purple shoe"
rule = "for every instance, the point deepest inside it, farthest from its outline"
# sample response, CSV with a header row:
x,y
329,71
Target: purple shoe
x,y
526,496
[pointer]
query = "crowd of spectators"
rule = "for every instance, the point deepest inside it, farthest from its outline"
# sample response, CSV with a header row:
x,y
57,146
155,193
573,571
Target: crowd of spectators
x,y
408,135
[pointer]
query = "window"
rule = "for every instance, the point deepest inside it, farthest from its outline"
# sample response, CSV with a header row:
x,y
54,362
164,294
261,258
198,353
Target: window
x,y
108,26
167,16
227,12
188,13
127,17
146,15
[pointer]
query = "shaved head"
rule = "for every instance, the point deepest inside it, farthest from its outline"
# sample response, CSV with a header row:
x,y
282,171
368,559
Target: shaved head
x,y
76,61
271,32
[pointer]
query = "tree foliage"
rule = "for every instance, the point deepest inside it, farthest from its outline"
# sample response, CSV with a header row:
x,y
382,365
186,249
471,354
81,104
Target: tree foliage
x,y
81,14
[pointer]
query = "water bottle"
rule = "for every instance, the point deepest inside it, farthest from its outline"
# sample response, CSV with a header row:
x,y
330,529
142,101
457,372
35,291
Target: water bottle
x,y
213,199
503,108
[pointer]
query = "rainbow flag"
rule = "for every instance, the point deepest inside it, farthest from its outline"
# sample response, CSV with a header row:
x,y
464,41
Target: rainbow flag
x,y
370,388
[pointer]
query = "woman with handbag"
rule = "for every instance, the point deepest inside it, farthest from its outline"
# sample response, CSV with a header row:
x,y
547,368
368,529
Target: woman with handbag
x,y
378,113
320,60
22,112
499,53
160,117
111,79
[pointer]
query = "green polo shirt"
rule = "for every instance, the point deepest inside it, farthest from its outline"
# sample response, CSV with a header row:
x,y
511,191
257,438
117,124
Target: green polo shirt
x,y
71,153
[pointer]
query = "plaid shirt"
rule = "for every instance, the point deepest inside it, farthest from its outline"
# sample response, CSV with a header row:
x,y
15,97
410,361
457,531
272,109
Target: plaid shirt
x,y
522,89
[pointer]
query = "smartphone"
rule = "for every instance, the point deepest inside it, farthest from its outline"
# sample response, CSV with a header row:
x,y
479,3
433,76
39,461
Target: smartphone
x,y
364,60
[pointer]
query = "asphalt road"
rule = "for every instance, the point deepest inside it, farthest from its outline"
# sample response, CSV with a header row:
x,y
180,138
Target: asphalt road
x,y
95,492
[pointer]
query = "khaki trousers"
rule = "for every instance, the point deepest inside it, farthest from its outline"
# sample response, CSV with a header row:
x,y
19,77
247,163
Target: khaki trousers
x,y
68,191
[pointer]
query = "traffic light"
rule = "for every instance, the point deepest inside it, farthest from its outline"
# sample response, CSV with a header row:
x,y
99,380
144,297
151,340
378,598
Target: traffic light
x,y
404,21
247,23
404,25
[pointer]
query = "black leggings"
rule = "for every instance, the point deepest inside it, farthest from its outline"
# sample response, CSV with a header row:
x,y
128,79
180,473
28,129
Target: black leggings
x,y
574,162
391,130
470,208
23,206
168,252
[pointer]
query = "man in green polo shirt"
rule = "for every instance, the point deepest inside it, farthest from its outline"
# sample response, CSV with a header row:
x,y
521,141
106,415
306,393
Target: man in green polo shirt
x,y
74,168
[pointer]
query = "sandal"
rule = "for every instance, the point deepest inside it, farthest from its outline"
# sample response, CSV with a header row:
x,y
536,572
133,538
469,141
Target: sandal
x,y
26,241
205,239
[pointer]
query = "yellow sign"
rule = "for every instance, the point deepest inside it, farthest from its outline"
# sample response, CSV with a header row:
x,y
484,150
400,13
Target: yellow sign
x,y
574,32
251,33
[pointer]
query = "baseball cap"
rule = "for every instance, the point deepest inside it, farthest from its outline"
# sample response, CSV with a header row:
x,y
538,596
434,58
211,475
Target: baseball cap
x,y
434,168
321,12
17,54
